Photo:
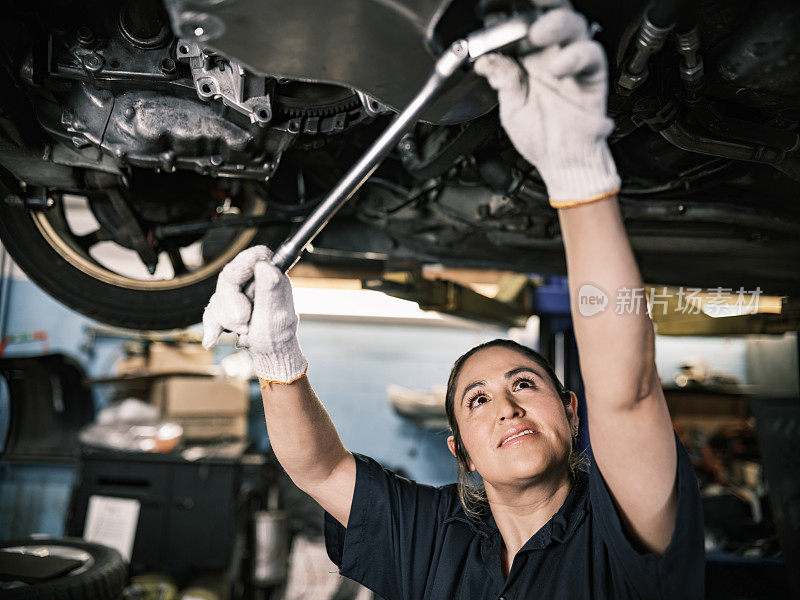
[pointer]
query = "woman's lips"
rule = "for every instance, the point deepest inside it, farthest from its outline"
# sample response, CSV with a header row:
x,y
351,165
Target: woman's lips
x,y
518,438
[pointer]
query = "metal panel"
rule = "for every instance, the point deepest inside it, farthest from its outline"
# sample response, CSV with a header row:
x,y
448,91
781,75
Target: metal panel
x,y
377,47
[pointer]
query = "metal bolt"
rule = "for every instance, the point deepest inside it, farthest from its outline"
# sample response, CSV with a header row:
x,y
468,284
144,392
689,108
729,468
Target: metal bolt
x,y
129,113
93,62
50,202
216,160
168,161
628,81
168,67
263,114
85,36
693,74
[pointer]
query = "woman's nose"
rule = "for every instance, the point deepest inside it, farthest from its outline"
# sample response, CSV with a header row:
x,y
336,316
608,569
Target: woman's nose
x,y
507,408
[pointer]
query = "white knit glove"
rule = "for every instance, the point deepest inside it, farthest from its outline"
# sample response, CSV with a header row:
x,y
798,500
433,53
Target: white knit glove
x,y
553,106
267,328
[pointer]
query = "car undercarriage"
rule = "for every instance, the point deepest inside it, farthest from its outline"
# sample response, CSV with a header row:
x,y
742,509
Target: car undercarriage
x,y
189,131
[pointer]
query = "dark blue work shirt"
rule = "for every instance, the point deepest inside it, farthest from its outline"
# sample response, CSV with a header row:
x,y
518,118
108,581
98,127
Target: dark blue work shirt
x,y
407,541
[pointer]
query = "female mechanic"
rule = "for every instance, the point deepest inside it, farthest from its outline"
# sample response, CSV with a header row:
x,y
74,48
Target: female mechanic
x,y
532,525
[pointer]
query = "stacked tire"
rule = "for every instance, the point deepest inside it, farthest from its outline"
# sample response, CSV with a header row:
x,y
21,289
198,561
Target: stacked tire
x,y
101,578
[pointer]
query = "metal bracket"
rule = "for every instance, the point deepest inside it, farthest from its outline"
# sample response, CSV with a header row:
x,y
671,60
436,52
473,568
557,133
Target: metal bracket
x,y
131,232
455,299
219,78
372,107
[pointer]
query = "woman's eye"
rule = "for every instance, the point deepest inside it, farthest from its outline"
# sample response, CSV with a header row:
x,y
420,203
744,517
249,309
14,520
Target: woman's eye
x,y
477,400
524,383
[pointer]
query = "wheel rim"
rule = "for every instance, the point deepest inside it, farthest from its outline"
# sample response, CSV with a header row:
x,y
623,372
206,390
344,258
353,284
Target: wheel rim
x,y
53,232
58,551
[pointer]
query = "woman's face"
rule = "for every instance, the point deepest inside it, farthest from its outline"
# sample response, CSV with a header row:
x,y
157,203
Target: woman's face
x,y
512,421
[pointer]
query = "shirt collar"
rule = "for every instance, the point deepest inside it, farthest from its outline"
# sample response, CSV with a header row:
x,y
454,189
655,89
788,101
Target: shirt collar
x,y
559,528
563,524
485,527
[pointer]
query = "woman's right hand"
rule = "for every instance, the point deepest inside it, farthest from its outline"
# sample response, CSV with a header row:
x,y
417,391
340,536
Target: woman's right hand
x,y
300,431
553,106
266,324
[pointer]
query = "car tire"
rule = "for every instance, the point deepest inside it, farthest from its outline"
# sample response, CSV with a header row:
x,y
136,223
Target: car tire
x,y
111,304
104,579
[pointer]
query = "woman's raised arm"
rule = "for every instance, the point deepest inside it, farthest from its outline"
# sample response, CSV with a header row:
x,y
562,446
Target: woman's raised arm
x,y
308,447
300,431
553,107
629,426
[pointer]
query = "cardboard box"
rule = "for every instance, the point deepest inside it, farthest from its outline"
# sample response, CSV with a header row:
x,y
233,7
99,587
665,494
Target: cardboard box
x,y
201,396
168,358
130,365
206,407
708,404
705,410
212,427
179,358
